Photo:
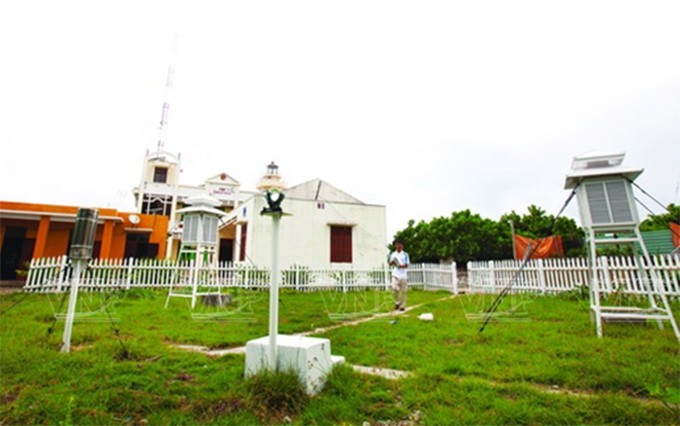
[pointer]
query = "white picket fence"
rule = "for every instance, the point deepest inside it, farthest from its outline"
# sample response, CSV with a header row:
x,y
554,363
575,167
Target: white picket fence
x,y
54,275
616,274
434,276
541,275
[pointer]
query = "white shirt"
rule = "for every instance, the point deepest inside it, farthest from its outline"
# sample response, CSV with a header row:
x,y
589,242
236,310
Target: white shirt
x,y
402,259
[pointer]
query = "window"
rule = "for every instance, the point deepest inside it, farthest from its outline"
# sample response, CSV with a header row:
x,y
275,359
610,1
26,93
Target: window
x,y
139,247
341,244
242,243
160,174
154,205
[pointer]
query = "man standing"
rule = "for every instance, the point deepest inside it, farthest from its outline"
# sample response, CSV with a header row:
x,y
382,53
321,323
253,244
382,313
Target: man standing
x,y
399,261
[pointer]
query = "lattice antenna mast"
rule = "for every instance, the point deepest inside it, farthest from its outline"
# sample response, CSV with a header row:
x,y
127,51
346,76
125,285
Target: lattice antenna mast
x,y
166,96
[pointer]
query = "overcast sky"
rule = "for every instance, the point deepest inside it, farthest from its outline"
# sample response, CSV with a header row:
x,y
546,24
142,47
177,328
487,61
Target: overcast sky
x,y
426,107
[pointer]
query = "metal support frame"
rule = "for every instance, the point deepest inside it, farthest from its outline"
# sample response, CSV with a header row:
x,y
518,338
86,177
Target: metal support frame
x,y
649,278
204,260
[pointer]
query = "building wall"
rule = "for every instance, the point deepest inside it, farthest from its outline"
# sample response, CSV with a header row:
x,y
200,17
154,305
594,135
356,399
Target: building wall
x,y
48,230
155,225
304,237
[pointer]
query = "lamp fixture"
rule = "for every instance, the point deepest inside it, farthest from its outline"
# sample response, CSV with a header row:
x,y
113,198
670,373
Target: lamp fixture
x,y
274,198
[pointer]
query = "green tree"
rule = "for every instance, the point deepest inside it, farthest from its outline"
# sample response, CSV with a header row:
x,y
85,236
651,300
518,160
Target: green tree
x,y
416,237
660,221
464,236
537,224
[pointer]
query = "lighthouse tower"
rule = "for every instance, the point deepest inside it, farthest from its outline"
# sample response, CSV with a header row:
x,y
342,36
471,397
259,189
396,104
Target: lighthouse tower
x,y
271,180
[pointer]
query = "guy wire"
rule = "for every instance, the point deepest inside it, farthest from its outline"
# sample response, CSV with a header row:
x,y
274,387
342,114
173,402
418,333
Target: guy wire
x,y
115,329
643,205
527,257
654,199
61,304
16,303
506,289
647,194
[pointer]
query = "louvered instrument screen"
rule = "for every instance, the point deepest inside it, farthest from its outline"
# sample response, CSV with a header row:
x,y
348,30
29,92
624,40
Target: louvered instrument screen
x,y
199,228
210,229
609,203
190,229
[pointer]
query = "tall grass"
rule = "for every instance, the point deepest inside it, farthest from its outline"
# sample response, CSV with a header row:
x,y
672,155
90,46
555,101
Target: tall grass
x,y
543,366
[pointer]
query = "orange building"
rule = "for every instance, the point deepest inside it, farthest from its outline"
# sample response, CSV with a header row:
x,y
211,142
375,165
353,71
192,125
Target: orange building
x,y
30,230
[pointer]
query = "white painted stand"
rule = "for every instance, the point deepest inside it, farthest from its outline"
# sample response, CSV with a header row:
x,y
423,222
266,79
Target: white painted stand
x,y
78,266
310,357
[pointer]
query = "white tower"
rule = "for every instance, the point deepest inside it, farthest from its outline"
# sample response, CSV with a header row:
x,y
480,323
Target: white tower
x,y
608,213
157,190
160,177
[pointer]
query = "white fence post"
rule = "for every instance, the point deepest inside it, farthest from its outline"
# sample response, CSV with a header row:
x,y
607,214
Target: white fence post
x,y
605,274
297,277
541,275
128,278
454,277
62,277
667,265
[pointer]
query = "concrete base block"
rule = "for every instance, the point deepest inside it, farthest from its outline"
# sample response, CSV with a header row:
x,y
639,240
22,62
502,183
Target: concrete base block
x,y
310,357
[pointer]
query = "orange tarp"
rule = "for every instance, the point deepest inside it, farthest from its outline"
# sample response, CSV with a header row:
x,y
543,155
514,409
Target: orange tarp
x,y
542,248
675,230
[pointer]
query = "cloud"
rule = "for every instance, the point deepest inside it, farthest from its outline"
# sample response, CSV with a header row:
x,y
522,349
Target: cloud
x,y
427,108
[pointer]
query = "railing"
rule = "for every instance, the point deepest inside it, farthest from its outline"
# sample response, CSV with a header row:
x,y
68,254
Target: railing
x,y
616,274
54,275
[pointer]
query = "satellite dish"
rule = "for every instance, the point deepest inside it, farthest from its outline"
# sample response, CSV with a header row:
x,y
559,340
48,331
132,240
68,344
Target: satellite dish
x,y
134,219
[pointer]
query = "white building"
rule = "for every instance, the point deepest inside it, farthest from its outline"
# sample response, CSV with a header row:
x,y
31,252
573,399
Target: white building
x,y
326,227
161,192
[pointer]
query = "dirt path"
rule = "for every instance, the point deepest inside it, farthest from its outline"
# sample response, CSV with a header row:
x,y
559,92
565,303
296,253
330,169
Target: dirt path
x,y
376,371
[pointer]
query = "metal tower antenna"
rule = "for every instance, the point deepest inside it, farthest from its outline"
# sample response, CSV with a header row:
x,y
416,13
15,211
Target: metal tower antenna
x,y
166,96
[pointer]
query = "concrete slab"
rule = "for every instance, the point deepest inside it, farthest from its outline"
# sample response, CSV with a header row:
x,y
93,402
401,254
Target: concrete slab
x,y
310,357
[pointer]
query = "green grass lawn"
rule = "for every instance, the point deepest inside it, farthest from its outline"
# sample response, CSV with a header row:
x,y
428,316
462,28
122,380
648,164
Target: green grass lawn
x,y
543,365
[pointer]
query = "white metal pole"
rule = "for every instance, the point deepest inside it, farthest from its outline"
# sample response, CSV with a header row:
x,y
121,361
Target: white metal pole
x,y
70,313
594,283
274,294
198,261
